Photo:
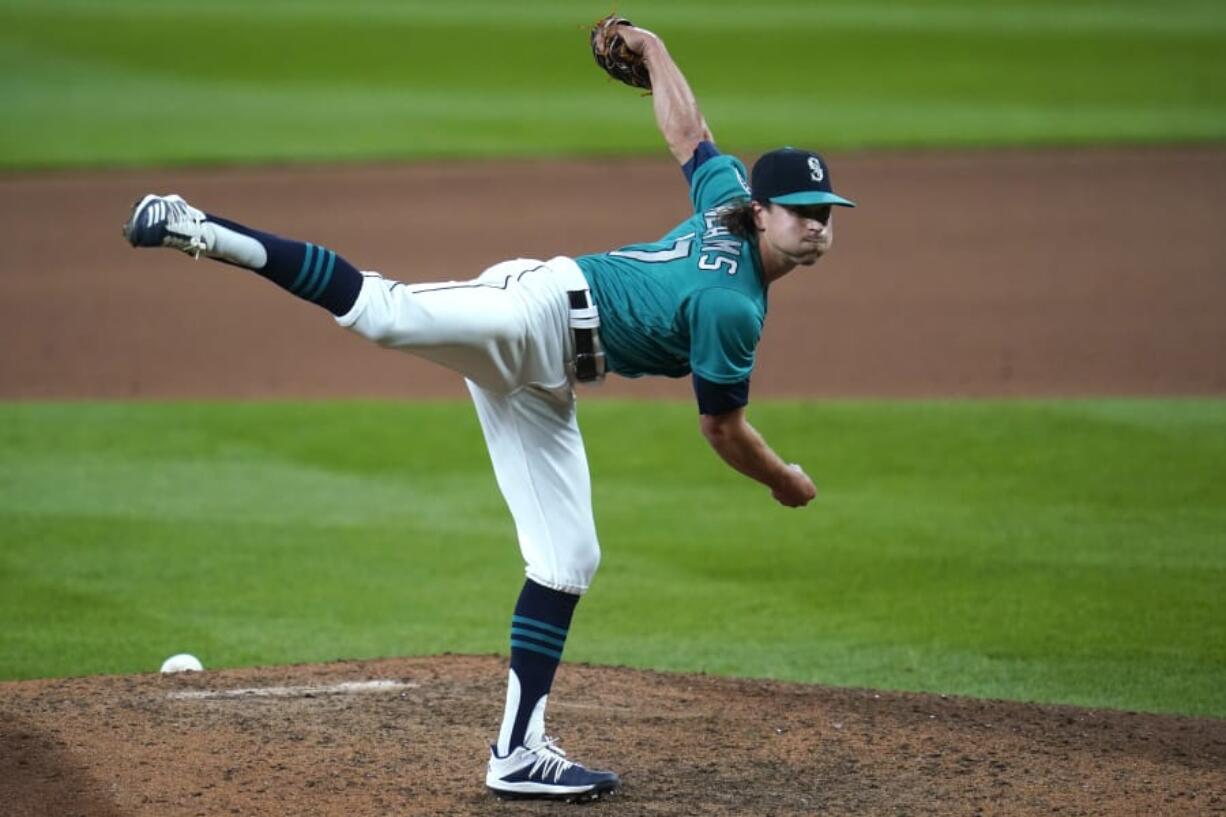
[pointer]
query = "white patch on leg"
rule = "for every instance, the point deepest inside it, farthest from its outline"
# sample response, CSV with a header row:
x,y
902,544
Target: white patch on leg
x,y
508,714
535,734
224,243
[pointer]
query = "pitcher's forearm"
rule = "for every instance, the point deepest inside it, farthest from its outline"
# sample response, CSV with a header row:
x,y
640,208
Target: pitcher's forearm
x,y
676,109
744,449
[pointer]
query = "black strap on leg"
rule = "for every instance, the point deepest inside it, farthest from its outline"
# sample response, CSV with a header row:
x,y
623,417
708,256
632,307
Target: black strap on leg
x,y
589,356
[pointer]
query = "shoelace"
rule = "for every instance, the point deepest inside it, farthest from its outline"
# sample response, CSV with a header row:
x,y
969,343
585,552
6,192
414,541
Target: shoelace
x,y
180,224
550,759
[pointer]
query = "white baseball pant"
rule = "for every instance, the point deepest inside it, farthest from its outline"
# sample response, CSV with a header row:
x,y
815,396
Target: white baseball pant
x,y
507,333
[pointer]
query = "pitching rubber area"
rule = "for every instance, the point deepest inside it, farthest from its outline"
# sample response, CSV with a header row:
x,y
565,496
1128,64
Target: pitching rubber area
x,y
343,688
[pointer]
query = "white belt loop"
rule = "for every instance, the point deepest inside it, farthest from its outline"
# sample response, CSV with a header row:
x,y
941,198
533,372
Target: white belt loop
x,y
585,318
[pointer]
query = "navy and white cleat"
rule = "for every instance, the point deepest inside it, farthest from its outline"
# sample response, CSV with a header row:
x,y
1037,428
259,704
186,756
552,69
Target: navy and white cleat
x,y
543,773
166,221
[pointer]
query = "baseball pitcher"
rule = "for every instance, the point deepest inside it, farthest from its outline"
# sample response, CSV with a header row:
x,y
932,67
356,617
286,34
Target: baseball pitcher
x,y
525,332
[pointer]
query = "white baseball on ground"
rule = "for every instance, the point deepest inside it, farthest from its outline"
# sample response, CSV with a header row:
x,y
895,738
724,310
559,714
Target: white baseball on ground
x,y
183,662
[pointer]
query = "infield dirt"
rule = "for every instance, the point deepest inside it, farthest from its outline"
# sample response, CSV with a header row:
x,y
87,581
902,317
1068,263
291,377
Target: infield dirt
x,y
684,744
1001,273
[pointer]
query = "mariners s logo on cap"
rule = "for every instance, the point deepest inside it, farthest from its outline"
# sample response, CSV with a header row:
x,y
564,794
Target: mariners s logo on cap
x,y
793,176
815,165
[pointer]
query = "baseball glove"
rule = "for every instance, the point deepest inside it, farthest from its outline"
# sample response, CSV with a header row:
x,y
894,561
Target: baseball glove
x,y
612,54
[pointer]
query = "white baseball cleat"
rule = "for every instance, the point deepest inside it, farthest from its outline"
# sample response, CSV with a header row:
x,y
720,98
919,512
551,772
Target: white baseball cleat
x,y
166,221
543,773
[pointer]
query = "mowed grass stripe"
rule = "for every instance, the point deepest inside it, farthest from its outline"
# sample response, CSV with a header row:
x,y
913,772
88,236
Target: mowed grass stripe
x,y
1063,551
102,83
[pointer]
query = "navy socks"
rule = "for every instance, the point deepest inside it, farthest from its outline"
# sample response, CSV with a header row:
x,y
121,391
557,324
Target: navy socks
x,y
538,633
311,272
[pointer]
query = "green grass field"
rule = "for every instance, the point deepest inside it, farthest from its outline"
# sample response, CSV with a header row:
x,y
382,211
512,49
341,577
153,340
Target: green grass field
x,y
1069,551
142,82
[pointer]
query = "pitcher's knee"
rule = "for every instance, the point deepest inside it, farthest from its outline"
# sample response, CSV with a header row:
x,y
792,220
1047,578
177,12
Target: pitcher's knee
x,y
375,332
586,561
570,571
374,316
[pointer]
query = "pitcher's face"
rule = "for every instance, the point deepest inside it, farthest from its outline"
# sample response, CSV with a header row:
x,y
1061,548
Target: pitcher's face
x,y
801,233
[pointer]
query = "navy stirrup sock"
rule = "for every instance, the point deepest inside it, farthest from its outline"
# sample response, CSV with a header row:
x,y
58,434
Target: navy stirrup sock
x,y
538,633
311,272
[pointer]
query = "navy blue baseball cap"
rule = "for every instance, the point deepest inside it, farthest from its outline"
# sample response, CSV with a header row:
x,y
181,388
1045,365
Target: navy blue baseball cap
x,y
793,176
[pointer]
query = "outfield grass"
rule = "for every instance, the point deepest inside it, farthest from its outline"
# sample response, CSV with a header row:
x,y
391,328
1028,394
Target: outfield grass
x,y
183,81
1066,551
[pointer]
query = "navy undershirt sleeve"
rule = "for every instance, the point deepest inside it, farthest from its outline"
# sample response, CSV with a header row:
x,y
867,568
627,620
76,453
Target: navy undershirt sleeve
x,y
705,150
720,398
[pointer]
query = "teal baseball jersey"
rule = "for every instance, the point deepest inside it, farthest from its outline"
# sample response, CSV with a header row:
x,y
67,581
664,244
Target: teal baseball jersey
x,y
694,301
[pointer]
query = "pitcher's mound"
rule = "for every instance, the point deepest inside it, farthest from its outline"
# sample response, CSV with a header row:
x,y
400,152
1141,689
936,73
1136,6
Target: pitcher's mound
x,y
410,736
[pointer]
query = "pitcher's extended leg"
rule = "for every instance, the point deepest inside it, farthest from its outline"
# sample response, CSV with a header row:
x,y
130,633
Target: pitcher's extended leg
x,y
503,329
311,272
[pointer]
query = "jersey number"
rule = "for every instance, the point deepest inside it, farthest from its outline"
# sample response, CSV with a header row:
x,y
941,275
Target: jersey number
x,y
680,249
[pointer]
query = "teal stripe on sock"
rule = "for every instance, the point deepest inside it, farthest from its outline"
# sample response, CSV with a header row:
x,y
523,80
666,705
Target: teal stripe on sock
x,y
306,263
527,645
324,279
540,625
316,269
557,642
313,277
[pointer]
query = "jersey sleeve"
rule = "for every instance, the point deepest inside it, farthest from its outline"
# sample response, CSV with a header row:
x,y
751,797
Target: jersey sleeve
x,y
717,181
725,327
706,150
720,398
